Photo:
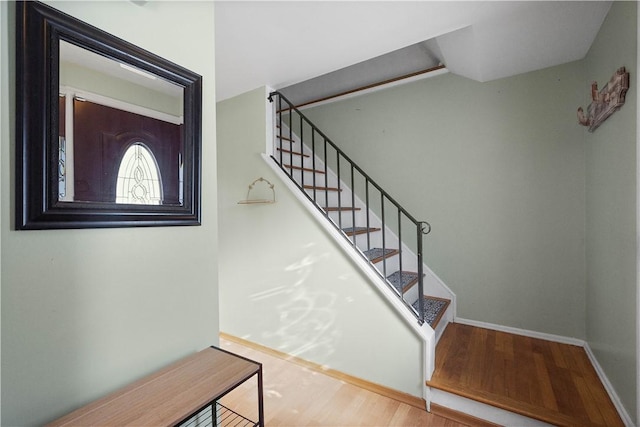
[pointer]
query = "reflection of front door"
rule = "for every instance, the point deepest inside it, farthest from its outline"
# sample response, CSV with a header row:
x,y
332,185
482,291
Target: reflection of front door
x,y
101,137
138,177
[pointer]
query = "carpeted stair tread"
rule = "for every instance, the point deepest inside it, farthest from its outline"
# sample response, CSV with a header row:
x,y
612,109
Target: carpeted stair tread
x,y
403,280
434,308
378,254
351,231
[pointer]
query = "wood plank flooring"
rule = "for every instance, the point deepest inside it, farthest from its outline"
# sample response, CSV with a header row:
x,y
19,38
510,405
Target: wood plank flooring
x,y
298,396
549,381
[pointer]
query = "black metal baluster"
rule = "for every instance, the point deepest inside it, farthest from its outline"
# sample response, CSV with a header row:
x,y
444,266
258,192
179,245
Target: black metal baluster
x,y
366,190
326,184
400,253
280,128
313,160
353,204
300,149
384,240
339,194
420,278
291,140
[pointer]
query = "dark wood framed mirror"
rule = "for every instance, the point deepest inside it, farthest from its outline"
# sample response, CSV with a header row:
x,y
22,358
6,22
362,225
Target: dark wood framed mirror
x,y
108,134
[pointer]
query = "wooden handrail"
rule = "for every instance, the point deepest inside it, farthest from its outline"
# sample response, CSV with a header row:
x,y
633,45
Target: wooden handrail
x,y
370,86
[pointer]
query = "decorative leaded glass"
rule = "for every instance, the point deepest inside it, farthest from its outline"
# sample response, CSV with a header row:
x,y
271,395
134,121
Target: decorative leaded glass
x,y
62,172
138,177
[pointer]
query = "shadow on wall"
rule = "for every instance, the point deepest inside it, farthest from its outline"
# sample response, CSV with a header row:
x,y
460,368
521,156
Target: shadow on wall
x,y
306,314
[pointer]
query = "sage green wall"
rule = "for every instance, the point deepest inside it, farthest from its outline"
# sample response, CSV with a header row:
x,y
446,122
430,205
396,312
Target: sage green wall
x,y
87,311
498,170
611,210
284,283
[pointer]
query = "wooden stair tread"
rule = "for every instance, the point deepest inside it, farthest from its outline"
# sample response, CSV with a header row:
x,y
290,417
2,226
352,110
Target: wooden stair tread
x,y
431,304
545,380
355,231
376,255
284,138
300,168
292,152
311,187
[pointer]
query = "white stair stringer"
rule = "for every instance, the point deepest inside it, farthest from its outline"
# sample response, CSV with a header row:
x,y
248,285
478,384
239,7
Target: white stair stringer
x,y
424,331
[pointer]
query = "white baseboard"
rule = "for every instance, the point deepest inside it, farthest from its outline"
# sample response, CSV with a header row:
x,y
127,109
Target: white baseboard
x,y
523,332
626,419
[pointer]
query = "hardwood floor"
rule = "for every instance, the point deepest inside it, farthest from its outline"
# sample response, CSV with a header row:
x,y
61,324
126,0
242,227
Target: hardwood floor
x,y
552,382
298,396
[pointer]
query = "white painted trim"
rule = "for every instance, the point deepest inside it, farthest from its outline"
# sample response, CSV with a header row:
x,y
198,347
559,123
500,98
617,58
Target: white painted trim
x,y
523,332
121,105
626,418
377,88
270,121
70,180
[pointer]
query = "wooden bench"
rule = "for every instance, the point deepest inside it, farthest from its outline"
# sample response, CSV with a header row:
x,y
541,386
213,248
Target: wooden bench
x,y
175,395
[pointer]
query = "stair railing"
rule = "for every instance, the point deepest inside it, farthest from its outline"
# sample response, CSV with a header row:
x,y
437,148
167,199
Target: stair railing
x,y
358,181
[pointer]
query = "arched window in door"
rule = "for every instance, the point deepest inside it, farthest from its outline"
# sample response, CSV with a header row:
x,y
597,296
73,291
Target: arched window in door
x,y
139,177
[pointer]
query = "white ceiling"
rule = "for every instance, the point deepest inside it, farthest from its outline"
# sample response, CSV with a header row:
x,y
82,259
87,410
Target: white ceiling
x,y
280,43
87,59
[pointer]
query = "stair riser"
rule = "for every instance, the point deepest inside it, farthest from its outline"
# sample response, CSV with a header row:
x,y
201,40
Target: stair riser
x,y
332,197
345,219
375,240
482,410
391,266
286,145
411,295
320,179
447,318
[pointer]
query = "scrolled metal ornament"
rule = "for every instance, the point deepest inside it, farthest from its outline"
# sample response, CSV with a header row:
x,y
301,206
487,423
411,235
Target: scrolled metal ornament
x,y
424,225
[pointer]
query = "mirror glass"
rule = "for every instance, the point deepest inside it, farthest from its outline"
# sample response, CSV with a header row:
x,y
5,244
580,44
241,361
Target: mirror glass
x,y
108,134
120,132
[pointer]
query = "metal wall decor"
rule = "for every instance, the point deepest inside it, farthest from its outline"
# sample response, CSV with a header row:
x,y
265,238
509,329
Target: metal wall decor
x,y
250,201
606,101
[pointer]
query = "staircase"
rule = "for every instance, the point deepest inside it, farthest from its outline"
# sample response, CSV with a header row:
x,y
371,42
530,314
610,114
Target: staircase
x,y
376,227
379,232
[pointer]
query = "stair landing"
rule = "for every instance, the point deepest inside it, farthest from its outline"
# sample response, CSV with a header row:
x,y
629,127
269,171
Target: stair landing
x,y
548,381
